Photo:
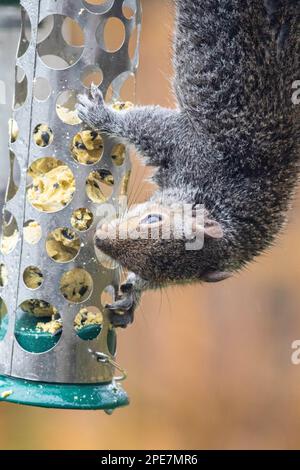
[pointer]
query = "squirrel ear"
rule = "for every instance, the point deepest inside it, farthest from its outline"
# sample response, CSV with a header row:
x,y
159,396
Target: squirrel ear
x,y
213,229
216,276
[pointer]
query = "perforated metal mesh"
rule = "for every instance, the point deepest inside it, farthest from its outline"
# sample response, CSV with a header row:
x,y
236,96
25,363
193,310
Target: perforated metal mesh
x,y
69,44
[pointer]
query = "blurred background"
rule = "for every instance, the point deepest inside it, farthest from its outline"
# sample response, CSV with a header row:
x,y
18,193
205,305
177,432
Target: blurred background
x,y
209,366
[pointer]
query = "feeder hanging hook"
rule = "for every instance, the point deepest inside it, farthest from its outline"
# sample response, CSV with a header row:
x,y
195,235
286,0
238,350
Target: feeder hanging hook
x,y
106,359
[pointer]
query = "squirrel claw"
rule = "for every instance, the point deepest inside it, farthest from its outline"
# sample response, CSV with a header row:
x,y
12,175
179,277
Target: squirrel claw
x,y
93,111
84,108
119,320
83,100
96,94
121,312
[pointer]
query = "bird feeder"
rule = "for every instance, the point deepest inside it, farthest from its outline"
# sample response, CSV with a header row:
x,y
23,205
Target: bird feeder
x,y
57,346
9,35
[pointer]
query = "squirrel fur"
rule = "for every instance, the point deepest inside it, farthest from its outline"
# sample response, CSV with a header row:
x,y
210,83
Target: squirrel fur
x,y
232,143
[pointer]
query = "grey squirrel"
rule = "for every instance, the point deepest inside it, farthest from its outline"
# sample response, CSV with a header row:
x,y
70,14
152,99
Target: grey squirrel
x,y
232,144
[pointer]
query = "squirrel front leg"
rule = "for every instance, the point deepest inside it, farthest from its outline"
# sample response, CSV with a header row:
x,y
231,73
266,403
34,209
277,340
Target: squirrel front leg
x,y
121,311
153,130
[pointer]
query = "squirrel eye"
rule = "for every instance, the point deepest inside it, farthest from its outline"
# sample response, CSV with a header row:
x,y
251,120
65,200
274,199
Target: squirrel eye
x,y
152,219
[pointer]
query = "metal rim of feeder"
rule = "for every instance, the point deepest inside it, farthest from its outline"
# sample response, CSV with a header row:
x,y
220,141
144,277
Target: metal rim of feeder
x,y
69,374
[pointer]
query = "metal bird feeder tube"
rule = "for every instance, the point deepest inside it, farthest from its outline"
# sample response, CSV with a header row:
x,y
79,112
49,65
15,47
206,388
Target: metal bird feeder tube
x,y
50,279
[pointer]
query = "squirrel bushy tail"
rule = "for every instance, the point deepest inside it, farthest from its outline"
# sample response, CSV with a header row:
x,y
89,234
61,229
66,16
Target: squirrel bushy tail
x,y
236,62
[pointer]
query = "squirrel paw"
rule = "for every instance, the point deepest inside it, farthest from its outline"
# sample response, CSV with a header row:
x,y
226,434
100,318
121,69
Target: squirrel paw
x,y
93,111
121,312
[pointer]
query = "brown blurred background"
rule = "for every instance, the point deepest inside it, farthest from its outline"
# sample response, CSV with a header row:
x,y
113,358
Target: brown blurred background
x,y
209,366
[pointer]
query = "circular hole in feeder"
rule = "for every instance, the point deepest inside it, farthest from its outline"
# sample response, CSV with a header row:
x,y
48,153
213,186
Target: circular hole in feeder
x,y
52,185
33,277
3,275
87,147
112,341
76,285
42,89
25,37
10,233
65,107
14,177
13,130
63,44
38,326
96,2
128,88
111,95
121,91
3,319
62,245
21,88
92,74
98,6
99,185
118,154
32,232
107,296
72,33
112,37
82,219
43,135
55,62
20,74
45,28
88,323
128,10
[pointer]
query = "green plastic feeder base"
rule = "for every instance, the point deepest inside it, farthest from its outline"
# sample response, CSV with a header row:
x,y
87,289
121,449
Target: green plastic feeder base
x,y
65,396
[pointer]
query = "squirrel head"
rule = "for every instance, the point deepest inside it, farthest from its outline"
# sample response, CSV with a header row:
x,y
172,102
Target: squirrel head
x,y
164,243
